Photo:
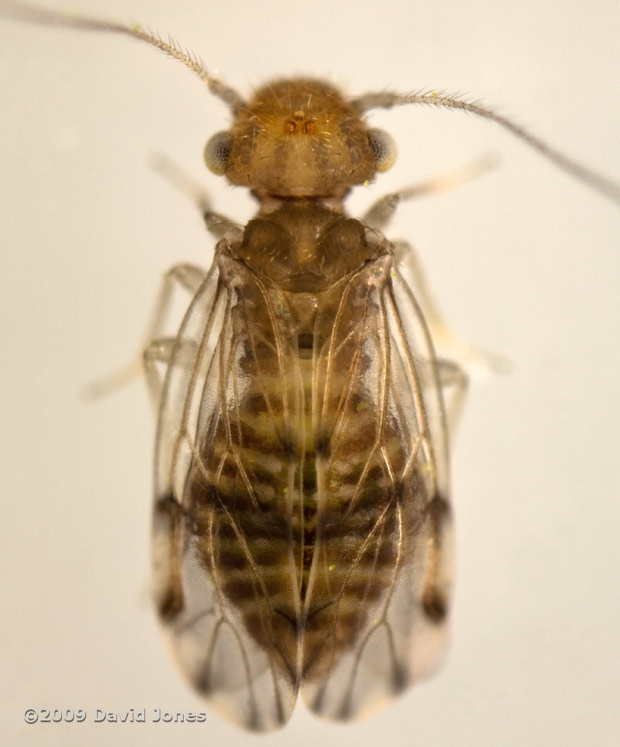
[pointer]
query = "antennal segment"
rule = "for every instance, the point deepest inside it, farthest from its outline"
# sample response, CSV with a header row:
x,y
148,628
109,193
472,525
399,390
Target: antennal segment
x,y
592,179
33,14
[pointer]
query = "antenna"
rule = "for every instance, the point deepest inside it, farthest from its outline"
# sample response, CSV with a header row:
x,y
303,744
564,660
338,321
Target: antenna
x,y
32,14
599,183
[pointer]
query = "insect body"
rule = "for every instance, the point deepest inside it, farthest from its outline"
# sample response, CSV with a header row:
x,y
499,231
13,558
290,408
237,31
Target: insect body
x,y
302,506
301,515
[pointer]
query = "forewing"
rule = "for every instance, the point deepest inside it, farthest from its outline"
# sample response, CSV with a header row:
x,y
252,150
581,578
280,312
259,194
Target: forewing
x,y
377,597
227,477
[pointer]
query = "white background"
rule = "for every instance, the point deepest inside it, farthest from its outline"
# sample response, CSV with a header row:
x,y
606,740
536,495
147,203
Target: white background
x,y
525,261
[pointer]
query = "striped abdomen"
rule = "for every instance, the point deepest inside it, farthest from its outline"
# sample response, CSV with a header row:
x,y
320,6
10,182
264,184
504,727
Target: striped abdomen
x,y
298,508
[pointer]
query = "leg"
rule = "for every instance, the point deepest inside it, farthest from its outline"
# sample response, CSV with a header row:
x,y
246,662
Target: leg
x,y
218,225
160,351
187,277
379,214
454,382
444,338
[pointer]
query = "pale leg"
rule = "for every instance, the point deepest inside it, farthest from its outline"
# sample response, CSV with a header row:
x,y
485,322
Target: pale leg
x,y
154,348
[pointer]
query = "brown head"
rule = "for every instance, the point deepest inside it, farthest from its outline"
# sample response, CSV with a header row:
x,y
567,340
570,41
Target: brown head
x,y
299,138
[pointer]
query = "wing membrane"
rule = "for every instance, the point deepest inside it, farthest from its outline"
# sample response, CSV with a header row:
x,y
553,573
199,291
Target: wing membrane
x,y
302,518
228,483
376,602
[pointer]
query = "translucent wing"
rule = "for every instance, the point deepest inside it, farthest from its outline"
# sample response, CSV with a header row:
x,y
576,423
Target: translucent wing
x,y
377,595
227,489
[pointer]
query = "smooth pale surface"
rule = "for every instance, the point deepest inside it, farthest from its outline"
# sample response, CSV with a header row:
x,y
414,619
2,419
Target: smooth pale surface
x,y
524,260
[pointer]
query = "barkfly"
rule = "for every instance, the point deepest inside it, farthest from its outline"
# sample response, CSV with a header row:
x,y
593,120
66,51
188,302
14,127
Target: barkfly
x,y
302,524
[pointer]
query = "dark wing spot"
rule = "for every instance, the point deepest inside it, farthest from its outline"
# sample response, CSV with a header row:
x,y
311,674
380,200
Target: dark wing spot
x,y
167,504
172,603
435,605
438,508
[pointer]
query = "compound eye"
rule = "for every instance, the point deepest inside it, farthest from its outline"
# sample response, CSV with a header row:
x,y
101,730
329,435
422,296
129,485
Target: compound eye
x,y
217,152
383,149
